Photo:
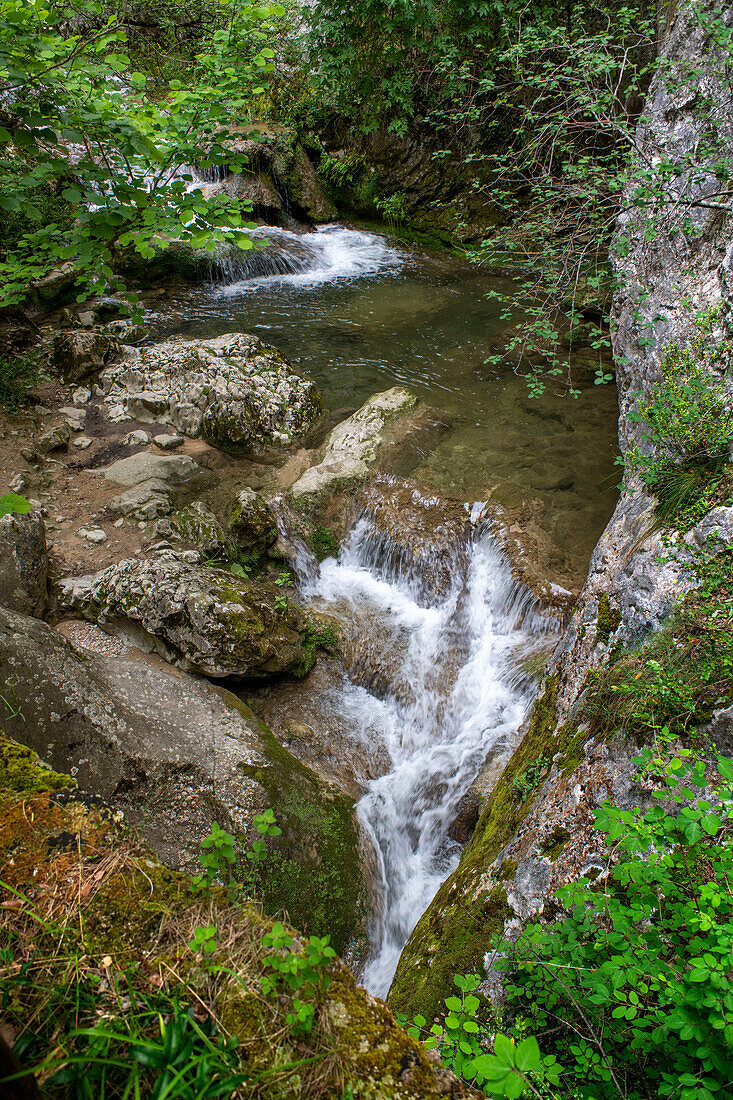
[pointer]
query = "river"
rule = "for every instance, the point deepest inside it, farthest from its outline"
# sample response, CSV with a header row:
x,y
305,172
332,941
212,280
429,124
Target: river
x,y
359,313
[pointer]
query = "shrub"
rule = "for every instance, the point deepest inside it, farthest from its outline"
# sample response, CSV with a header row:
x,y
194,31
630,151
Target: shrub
x,y
17,374
688,423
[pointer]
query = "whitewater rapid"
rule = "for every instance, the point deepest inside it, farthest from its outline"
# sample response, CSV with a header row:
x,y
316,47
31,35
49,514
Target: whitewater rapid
x,y
458,695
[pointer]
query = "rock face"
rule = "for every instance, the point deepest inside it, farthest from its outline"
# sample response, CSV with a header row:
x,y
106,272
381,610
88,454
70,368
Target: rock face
x,y
233,390
354,447
204,619
175,754
23,563
522,851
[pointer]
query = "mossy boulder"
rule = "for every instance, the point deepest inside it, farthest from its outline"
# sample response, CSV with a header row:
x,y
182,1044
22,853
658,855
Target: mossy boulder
x,y
23,563
252,524
206,620
198,525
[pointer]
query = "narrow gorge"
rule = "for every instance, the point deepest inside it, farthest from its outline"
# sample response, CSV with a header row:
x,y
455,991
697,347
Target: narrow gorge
x,y
365,555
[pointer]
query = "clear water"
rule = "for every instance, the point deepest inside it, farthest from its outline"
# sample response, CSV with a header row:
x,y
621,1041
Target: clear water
x,y
359,314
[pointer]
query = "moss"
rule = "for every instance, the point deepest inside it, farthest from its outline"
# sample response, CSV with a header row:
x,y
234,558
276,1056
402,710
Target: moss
x,y
22,770
324,543
313,871
555,842
608,619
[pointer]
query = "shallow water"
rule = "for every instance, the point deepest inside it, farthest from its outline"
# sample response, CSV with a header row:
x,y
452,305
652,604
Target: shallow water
x,y
359,314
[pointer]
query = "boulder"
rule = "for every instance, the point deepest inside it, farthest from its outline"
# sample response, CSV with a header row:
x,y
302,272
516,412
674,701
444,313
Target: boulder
x,y
197,524
252,523
355,446
206,620
79,353
23,563
174,471
233,390
149,500
55,439
175,754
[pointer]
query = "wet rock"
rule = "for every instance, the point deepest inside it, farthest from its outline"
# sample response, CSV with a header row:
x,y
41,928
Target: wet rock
x,y
206,620
415,533
252,523
354,447
198,524
55,439
233,390
23,563
78,353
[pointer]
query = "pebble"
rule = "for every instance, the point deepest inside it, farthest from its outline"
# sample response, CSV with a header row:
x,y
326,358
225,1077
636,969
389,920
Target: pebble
x,y
81,396
18,484
82,442
95,535
118,522
167,442
137,438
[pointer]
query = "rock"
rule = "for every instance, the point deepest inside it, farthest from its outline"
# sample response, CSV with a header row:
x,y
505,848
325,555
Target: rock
x,y
252,523
23,563
168,442
204,619
95,535
175,471
354,446
419,535
233,390
149,500
18,484
74,417
82,442
87,318
199,525
138,438
77,354
175,754
81,396
55,439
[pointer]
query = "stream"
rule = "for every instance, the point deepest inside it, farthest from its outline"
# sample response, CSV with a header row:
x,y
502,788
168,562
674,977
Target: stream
x,y
359,314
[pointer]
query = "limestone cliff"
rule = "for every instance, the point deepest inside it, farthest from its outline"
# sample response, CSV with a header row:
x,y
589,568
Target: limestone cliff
x,y
673,260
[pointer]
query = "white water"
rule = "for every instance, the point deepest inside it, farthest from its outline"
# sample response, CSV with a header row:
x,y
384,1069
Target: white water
x,y
458,695
328,254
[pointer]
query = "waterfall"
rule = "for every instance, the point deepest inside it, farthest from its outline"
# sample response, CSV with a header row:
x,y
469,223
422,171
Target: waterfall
x,y
457,695
281,256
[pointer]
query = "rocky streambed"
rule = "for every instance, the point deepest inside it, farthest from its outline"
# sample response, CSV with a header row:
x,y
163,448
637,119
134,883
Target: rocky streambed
x,y
252,581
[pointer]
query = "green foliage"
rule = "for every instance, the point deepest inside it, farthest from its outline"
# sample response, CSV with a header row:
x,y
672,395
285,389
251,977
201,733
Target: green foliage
x,y
127,189
608,619
683,672
324,543
13,503
17,374
529,780
464,1035
393,208
687,426
303,973
632,981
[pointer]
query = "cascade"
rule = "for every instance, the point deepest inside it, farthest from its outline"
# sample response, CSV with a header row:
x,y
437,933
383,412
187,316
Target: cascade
x,y
458,695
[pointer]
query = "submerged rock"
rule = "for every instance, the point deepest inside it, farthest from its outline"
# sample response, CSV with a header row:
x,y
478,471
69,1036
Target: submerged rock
x,y
204,619
233,390
23,563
